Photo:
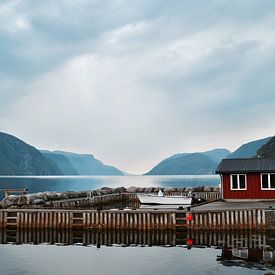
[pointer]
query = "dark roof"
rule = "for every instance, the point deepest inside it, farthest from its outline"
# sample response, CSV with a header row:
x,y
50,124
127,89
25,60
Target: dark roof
x,y
246,165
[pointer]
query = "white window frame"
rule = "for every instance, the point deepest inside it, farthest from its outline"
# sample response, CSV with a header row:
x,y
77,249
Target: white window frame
x,y
269,183
238,182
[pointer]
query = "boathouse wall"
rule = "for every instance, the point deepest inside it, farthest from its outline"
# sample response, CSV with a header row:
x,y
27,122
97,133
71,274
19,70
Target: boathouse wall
x,y
253,189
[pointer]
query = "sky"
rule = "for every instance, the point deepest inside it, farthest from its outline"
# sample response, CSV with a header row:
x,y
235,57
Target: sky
x,y
133,82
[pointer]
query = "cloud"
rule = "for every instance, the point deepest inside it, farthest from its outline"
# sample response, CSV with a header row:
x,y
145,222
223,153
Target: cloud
x,y
133,82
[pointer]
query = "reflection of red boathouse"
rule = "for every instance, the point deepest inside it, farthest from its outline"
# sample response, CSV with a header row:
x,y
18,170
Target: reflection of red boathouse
x,y
247,179
248,254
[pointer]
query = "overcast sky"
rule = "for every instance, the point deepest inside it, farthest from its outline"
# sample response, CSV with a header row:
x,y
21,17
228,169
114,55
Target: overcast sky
x,y
135,81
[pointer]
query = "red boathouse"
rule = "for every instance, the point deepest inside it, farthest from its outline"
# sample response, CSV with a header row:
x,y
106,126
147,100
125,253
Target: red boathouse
x,y
247,179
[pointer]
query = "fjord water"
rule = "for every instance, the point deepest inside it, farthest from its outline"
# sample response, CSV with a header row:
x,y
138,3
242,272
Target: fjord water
x,y
134,252
77,183
73,260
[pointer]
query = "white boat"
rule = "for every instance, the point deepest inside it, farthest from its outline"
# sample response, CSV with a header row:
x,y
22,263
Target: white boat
x,y
160,198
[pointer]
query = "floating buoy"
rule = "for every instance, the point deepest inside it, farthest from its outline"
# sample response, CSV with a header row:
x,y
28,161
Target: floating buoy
x,y
189,217
189,242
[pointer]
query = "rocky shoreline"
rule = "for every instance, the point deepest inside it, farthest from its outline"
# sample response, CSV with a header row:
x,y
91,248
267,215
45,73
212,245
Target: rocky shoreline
x,y
44,197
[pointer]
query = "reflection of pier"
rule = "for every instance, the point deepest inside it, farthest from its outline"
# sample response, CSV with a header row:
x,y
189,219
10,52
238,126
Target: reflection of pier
x,y
225,239
232,239
92,237
248,246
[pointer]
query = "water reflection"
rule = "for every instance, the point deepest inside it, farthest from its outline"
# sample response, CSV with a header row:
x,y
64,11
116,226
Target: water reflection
x,y
249,249
238,248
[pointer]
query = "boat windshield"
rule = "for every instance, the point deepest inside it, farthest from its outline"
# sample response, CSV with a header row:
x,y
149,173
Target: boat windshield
x,y
160,194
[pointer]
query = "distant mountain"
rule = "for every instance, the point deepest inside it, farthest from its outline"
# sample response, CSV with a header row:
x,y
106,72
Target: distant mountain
x,y
86,164
202,163
249,150
61,161
267,150
20,158
217,154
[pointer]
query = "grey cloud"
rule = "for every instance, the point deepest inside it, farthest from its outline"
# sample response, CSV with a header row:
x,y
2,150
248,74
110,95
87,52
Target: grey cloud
x,y
66,28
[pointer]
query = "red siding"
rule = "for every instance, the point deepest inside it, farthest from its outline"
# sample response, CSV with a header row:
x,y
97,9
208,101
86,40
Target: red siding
x,y
253,189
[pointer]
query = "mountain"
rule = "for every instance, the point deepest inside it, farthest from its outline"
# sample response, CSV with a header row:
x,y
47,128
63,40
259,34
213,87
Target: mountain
x,y
217,154
267,150
249,150
20,158
86,164
202,163
61,161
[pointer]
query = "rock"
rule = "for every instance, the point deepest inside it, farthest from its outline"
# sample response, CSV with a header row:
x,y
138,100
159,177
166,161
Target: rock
x,y
105,192
106,188
169,190
83,194
38,202
23,200
217,189
197,189
119,190
188,188
70,195
51,196
141,190
148,190
10,200
131,189
181,189
32,197
207,189
96,193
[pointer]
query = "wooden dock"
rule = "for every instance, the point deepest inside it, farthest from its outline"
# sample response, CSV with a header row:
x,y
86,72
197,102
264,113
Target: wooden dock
x,y
139,219
79,210
92,219
222,215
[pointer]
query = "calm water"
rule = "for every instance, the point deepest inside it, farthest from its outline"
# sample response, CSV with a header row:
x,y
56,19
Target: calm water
x,y
116,252
76,183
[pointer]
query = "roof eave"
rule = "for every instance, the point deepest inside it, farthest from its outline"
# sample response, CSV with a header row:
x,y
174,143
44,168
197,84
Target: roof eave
x,y
245,171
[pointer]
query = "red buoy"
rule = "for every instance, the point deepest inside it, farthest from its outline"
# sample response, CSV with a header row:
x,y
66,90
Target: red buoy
x,y
189,242
189,217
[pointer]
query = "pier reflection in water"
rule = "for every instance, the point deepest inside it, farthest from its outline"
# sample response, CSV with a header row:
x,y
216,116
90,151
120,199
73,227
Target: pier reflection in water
x,y
237,247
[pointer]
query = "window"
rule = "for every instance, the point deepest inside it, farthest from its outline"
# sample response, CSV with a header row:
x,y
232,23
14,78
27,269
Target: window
x,y
238,182
268,181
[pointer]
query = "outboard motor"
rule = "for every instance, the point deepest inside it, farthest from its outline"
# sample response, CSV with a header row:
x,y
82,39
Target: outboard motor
x,y
194,200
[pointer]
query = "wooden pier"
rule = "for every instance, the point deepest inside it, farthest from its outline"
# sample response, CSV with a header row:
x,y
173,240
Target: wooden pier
x,y
84,210
92,219
229,219
222,215
139,219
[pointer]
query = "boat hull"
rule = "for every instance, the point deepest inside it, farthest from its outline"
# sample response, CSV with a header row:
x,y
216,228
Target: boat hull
x,y
168,200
